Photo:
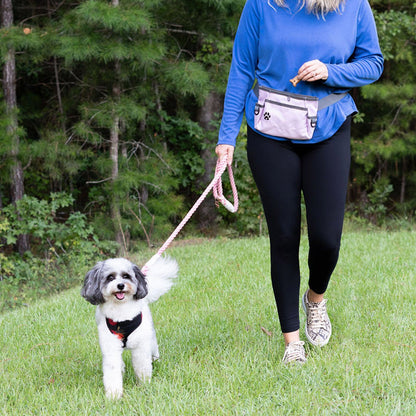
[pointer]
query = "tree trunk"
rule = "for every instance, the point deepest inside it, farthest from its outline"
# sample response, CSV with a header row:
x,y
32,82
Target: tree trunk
x,y
114,156
207,212
403,182
115,206
9,88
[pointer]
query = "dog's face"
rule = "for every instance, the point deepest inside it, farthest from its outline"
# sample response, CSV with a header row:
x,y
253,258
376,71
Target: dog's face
x,y
114,280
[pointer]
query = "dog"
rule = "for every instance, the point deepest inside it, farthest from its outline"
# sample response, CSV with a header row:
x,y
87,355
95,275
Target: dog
x,y
122,294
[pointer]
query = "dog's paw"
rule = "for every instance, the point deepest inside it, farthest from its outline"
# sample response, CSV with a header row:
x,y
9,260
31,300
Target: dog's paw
x,y
114,393
144,374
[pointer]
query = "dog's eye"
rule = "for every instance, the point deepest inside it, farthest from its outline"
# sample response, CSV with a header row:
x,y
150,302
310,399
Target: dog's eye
x,y
126,276
110,277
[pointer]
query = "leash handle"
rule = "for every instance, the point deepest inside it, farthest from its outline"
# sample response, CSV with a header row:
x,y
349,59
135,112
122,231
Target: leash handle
x,y
217,189
216,186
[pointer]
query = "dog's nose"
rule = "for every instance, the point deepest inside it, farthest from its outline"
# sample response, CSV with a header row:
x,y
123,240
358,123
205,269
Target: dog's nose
x,y
120,286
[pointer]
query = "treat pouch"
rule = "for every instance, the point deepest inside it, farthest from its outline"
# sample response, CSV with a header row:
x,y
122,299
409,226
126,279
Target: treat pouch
x,y
284,114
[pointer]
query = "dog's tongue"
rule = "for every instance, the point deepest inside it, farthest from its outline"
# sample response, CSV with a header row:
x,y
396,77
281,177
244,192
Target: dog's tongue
x,y
120,295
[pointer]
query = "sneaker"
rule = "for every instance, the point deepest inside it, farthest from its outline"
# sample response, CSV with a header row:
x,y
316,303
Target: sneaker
x,y
294,353
318,326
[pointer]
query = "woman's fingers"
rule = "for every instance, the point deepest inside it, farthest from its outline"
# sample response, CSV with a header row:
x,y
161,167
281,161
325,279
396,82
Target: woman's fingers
x,y
313,71
225,151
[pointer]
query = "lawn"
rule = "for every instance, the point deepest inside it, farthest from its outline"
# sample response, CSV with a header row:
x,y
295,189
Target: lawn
x,y
216,358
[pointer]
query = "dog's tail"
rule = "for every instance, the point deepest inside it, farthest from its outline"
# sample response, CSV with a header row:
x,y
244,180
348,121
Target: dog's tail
x,y
160,277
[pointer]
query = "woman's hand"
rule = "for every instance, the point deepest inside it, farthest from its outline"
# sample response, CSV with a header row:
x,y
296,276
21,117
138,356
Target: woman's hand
x,y
313,71
225,151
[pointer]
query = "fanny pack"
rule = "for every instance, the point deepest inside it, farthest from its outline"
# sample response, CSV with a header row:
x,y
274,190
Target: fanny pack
x,y
288,115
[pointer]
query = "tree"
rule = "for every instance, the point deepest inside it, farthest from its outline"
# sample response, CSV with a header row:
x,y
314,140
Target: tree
x,y
385,147
9,88
114,51
119,106
199,38
114,149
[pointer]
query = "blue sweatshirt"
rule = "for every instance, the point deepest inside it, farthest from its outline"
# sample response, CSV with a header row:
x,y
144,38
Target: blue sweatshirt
x,y
273,42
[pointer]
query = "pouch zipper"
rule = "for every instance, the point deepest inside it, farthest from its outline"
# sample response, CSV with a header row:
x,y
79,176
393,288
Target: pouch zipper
x,y
289,94
286,105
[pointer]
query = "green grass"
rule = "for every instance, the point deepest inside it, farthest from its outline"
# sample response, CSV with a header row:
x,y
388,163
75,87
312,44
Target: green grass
x,y
216,360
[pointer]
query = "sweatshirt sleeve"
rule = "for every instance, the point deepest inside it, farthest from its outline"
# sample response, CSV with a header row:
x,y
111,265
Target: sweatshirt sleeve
x,y
242,73
366,63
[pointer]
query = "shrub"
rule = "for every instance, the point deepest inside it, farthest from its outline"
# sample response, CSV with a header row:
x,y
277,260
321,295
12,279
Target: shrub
x,y
63,245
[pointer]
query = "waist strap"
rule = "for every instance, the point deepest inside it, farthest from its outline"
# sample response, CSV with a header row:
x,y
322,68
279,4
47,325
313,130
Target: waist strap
x,y
329,100
322,102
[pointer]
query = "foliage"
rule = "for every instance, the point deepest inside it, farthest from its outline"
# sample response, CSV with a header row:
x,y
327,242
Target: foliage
x,y
384,151
185,140
151,65
375,205
62,240
40,219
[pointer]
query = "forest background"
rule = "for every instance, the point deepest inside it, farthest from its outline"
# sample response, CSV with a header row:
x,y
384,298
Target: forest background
x,y
109,117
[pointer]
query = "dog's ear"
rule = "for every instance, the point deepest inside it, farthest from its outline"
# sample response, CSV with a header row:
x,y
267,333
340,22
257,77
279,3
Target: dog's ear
x,y
91,290
141,283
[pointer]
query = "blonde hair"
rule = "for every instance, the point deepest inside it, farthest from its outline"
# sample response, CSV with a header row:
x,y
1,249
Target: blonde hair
x,y
317,7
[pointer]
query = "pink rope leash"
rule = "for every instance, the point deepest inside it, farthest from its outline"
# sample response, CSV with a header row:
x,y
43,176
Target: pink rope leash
x,y
217,189
216,186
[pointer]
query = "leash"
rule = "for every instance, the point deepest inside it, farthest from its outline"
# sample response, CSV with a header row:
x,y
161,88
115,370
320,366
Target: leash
x,y
216,186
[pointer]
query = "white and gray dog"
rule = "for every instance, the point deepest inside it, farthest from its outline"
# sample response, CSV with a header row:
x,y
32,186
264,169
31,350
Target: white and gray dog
x,y
123,317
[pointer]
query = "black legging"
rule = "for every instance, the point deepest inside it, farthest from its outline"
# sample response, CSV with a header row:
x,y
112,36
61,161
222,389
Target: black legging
x,y
282,170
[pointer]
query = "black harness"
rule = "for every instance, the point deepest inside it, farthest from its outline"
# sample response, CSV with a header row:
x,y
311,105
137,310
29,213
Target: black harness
x,y
125,328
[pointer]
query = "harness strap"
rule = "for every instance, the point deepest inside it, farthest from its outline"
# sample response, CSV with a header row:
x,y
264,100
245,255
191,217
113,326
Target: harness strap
x,y
124,328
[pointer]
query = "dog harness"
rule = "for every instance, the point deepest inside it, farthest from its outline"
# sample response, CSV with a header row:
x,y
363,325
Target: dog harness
x,y
124,328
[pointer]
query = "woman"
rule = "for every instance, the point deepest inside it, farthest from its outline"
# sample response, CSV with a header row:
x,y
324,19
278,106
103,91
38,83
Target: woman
x,y
331,46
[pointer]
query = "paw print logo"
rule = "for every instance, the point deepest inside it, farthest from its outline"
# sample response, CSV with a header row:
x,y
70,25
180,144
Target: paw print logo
x,y
267,116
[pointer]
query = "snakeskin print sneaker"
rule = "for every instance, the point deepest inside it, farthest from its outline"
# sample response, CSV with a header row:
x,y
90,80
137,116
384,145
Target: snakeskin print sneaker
x,y
294,353
318,326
